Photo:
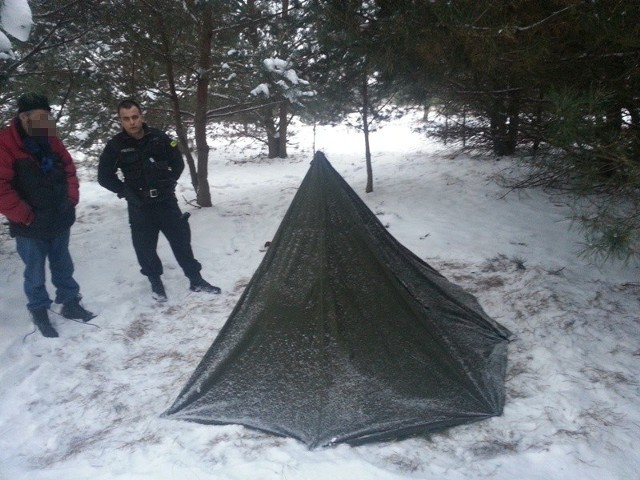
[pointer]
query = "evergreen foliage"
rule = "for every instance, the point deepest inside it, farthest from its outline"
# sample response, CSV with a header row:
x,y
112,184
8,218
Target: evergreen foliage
x,y
554,81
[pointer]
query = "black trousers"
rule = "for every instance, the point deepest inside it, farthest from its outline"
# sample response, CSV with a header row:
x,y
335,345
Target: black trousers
x,y
147,221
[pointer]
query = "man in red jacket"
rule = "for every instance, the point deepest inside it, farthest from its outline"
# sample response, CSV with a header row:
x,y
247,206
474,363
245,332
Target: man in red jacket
x,y
38,194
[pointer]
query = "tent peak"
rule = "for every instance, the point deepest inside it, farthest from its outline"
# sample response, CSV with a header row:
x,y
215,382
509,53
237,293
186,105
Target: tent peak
x,y
320,156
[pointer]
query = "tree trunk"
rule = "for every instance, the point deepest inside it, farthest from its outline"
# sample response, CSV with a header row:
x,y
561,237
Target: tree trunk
x,y
284,107
498,126
203,197
537,124
283,123
273,143
505,123
513,116
181,130
365,129
367,150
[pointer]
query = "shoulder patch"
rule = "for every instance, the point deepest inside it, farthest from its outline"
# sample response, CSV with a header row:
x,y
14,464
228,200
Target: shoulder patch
x,y
174,143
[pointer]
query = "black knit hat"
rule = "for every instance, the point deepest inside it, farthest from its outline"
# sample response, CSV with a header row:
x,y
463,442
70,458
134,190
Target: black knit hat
x,y
33,101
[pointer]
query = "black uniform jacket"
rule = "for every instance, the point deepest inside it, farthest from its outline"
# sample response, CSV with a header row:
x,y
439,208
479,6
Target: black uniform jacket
x,y
150,166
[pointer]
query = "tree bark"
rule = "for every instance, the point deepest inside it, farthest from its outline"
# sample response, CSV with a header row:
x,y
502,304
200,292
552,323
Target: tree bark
x,y
273,144
203,195
283,123
365,129
504,125
181,130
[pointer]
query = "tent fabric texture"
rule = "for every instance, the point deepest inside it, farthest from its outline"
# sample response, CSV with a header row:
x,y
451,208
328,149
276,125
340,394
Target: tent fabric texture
x,y
344,335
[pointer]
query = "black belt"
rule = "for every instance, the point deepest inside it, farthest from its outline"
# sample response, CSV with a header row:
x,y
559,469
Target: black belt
x,y
156,192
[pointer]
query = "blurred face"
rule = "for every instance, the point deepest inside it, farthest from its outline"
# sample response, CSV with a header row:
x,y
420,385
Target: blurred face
x,y
38,123
131,120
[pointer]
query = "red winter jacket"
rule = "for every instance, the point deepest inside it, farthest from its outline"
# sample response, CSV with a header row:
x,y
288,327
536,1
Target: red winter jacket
x,y
37,204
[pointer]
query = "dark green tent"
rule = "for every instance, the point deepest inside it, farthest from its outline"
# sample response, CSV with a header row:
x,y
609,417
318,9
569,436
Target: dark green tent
x,y
344,335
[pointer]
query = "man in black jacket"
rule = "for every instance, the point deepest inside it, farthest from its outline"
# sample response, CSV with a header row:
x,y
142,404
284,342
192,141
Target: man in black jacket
x,y
150,163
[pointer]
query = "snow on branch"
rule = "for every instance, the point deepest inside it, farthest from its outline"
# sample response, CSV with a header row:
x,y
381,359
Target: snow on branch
x,y
284,79
16,20
262,88
281,67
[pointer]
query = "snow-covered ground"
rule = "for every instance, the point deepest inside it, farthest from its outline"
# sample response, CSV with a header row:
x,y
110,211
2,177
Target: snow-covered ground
x,y
87,404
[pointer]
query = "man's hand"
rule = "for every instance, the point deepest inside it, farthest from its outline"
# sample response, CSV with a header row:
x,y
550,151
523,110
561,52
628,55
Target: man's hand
x,y
130,196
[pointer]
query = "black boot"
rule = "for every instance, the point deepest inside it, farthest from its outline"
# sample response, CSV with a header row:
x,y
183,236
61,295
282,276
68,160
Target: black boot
x,y
74,311
157,288
41,320
199,284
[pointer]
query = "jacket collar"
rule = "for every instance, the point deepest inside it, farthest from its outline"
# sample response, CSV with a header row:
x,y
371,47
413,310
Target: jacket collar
x,y
126,136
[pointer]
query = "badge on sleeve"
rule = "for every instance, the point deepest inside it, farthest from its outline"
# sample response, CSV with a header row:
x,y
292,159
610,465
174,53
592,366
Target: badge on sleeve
x,y
174,143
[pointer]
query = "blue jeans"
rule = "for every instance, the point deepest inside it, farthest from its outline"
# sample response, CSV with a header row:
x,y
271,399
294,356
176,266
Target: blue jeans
x,y
34,253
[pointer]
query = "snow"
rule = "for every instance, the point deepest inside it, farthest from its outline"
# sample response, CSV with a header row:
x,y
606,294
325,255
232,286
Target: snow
x,y
275,65
262,88
290,90
5,46
88,404
16,20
